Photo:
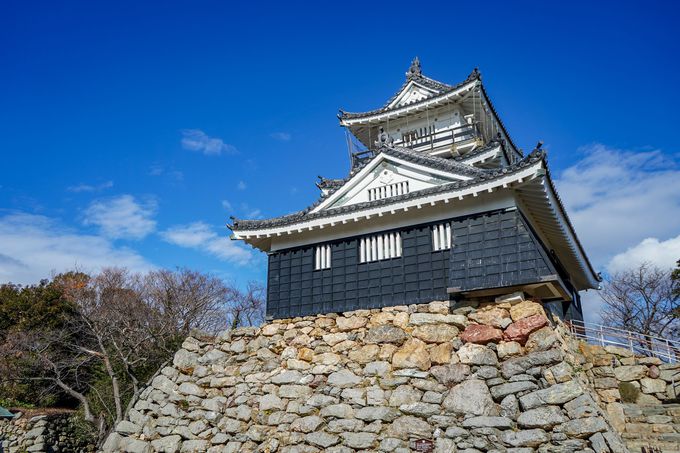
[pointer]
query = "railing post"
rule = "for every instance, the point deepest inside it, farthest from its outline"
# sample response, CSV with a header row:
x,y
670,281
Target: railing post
x,y
601,336
630,341
668,347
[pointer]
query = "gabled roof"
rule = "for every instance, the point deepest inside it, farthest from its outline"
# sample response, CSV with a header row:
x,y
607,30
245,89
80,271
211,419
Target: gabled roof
x,y
445,170
415,76
479,176
406,154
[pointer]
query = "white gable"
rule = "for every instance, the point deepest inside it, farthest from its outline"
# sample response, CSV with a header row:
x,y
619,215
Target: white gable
x,y
411,93
386,177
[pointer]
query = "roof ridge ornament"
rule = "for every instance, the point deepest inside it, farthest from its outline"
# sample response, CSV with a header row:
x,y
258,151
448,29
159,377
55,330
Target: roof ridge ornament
x,y
414,70
474,75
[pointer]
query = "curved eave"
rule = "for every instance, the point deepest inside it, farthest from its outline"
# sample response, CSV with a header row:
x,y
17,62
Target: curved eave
x,y
481,156
542,203
259,237
499,121
356,119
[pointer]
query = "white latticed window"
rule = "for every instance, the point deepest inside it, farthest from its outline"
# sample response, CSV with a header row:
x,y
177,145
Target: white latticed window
x,y
441,237
322,257
391,190
380,247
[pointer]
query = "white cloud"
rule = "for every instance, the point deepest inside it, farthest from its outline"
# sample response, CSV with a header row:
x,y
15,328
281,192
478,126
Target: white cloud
x,y
241,185
122,217
199,141
90,188
621,202
618,198
663,254
200,236
227,205
281,136
35,246
159,170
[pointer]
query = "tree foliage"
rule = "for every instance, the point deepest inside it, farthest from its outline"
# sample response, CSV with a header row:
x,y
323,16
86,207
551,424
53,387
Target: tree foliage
x,y
97,340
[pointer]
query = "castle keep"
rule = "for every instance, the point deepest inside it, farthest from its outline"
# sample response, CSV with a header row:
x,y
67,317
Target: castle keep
x,y
439,204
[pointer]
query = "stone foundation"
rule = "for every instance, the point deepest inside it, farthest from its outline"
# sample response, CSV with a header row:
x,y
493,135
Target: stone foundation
x,y
45,433
419,378
634,392
657,426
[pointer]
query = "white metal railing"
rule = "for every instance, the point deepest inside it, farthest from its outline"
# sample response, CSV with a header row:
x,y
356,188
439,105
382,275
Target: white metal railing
x,y
421,140
646,345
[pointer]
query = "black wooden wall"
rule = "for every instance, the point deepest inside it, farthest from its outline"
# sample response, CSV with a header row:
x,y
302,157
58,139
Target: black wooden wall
x,y
494,250
296,289
489,250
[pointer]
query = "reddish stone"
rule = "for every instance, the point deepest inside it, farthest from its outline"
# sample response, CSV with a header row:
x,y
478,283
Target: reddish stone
x,y
653,372
481,334
519,331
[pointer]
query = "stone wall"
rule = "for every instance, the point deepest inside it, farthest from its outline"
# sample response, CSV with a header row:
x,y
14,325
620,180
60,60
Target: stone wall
x,y
631,390
652,425
620,376
44,433
495,378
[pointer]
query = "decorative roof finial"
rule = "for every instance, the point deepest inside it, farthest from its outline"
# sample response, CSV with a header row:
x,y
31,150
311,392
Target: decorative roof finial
x,y
414,70
475,75
539,145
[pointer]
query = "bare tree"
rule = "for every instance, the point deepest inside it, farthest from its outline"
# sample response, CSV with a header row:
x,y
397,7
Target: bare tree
x,y
126,325
643,299
247,308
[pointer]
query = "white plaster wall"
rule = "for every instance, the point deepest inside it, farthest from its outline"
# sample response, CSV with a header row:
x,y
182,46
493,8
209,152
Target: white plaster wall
x,y
428,213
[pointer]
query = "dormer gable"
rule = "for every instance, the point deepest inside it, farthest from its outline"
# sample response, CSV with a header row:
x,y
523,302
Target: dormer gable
x,y
412,92
391,175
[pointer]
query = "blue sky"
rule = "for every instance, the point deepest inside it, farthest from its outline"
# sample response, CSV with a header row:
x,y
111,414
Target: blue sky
x,y
132,130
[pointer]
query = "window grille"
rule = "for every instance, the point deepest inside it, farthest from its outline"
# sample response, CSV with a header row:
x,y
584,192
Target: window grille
x,y
441,237
392,190
322,257
380,247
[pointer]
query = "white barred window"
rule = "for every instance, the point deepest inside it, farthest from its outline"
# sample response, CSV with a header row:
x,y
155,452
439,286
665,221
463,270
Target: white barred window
x,y
441,237
322,257
391,190
380,247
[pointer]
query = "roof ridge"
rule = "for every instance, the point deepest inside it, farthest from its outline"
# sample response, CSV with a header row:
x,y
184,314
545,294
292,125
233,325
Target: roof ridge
x,y
443,87
492,144
483,176
417,157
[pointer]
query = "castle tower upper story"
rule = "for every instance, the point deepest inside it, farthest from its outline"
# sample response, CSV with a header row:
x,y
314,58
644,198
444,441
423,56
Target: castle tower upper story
x,y
428,116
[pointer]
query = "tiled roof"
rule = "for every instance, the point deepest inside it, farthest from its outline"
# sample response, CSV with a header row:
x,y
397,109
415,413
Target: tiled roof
x,y
477,151
325,183
481,176
437,163
438,87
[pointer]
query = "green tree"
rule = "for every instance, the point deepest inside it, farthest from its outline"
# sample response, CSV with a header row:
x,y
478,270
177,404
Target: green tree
x,y
44,306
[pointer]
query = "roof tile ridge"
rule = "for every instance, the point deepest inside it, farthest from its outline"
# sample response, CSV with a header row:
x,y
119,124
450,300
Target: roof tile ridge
x,y
384,108
485,176
418,156
490,145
